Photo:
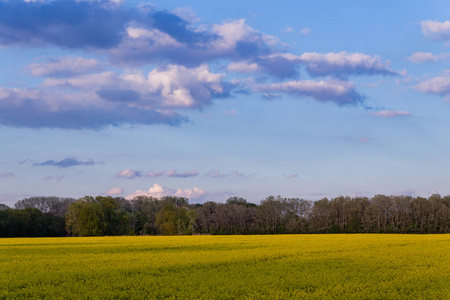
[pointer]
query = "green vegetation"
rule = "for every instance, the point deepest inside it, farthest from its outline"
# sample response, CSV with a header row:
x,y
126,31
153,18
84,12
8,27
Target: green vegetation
x,y
89,216
272,266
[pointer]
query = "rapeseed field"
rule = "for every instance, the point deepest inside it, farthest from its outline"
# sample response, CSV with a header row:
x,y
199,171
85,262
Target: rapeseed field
x,y
222,267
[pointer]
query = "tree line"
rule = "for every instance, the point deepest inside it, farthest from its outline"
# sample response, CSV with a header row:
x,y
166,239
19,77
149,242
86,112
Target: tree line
x,y
98,216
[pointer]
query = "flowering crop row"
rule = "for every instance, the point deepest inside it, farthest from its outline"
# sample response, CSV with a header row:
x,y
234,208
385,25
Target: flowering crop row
x,y
280,266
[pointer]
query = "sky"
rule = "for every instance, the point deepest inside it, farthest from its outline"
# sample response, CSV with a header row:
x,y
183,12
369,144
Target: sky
x,y
209,100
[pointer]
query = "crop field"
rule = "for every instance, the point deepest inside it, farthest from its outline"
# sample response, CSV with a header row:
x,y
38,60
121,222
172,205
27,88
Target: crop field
x,y
271,266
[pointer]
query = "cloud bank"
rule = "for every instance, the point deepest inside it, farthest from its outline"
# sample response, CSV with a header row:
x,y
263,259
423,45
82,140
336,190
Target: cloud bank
x,y
159,191
80,92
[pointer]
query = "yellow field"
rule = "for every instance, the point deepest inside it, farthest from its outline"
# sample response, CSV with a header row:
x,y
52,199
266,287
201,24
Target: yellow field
x,y
276,266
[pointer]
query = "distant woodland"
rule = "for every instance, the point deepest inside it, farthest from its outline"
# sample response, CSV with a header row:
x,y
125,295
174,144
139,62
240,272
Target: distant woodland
x,y
98,216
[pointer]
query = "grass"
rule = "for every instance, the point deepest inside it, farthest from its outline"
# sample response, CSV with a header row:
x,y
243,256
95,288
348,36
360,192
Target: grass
x,y
272,266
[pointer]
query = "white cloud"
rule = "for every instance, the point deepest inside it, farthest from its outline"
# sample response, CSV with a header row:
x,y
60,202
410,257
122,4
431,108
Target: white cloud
x,y
198,45
193,193
153,35
115,191
108,98
181,87
159,191
391,114
232,32
419,57
436,31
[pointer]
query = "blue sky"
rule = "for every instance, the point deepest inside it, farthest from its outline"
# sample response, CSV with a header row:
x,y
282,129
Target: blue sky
x,y
208,100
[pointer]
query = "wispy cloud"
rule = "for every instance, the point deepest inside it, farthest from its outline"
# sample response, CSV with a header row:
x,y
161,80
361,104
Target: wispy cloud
x,y
423,57
57,178
391,114
175,173
64,67
289,30
218,174
67,163
330,90
155,174
344,63
305,31
292,176
129,173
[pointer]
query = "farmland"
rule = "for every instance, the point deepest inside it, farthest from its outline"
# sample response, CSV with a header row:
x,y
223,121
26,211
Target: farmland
x,y
270,266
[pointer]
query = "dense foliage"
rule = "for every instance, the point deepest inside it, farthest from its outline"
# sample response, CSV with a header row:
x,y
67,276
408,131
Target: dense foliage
x,y
89,216
335,266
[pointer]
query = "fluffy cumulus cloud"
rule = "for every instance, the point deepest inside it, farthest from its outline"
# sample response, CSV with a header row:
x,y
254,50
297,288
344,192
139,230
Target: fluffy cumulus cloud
x,y
115,191
67,163
439,85
159,191
436,31
170,38
391,114
108,98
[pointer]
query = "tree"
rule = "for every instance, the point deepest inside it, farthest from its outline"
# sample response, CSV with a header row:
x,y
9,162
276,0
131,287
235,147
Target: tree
x,y
54,205
166,220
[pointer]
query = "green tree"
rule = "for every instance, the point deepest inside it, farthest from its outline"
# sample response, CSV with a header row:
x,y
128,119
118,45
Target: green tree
x,y
166,220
